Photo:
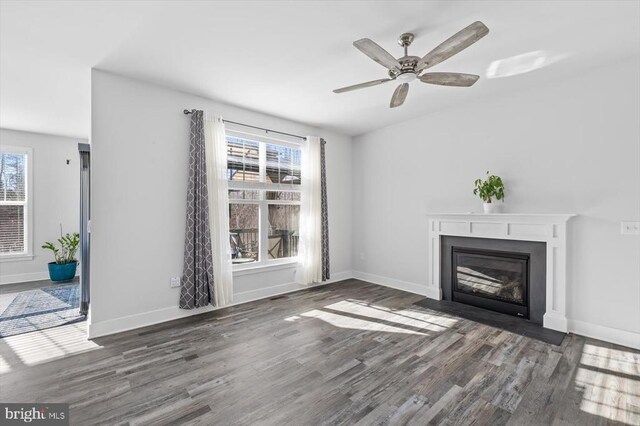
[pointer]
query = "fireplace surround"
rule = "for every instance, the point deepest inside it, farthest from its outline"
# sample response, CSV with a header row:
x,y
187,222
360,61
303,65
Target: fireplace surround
x,y
506,276
550,229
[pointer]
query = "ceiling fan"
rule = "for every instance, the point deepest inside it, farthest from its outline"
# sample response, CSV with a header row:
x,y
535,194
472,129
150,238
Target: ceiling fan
x,y
408,68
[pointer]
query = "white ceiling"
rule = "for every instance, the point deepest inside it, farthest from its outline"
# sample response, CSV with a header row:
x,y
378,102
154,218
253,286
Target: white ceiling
x,y
284,58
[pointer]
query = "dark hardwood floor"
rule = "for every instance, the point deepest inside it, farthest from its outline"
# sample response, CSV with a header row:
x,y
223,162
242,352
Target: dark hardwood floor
x,y
346,353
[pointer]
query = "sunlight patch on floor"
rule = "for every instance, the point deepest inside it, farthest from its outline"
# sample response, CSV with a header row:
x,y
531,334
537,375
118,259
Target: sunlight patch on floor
x,y
4,365
292,318
437,322
358,315
611,359
609,380
46,345
343,321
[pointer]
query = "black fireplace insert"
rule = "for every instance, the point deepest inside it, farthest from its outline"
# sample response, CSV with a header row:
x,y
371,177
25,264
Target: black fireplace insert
x,y
491,279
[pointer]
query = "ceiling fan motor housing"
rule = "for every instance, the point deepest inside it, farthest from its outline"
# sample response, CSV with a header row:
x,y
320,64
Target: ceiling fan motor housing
x,y
407,72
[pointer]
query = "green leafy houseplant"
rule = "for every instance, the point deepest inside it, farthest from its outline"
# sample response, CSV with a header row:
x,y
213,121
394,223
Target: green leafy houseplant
x,y
490,188
63,269
66,253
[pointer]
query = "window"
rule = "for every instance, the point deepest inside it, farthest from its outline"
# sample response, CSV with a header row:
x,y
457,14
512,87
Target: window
x,y
264,199
15,194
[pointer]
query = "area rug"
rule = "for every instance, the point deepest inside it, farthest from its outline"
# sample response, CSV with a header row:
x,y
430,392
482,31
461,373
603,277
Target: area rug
x,y
47,307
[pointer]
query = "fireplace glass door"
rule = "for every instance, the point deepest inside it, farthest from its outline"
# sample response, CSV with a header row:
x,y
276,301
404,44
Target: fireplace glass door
x,y
492,280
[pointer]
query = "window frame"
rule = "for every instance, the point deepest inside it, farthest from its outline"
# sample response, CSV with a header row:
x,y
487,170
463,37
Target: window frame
x,y
262,202
27,254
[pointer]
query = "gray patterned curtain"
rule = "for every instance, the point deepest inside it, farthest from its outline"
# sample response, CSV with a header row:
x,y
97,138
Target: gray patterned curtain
x,y
197,273
325,215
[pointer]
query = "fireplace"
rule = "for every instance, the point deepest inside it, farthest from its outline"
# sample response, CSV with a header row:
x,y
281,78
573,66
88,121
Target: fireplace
x,y
491,279
505,276
542,236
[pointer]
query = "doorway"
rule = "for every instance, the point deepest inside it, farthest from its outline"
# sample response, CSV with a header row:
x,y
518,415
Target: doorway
x,y
44,207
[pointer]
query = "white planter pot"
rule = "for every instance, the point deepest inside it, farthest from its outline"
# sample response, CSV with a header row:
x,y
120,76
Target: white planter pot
x,y
491,207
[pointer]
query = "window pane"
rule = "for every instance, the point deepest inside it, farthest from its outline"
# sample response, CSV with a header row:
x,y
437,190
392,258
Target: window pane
x,y
242,160
12,229
12,176
239,194
243,229
283,230
283,164
283,195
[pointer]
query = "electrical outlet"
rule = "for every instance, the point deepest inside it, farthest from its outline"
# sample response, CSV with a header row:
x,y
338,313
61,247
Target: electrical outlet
x,y
175,281
630,228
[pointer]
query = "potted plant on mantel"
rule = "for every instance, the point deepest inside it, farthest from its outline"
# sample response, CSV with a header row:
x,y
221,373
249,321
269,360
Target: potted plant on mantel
x,y
489,189
64,267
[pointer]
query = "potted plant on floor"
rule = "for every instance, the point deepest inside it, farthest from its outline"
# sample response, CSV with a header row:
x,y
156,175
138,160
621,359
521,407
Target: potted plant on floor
x,y
489,189
64,267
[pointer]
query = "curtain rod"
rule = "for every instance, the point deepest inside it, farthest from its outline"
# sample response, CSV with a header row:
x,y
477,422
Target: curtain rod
x,y
187,112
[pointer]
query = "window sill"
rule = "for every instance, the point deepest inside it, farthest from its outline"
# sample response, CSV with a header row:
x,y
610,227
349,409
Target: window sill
x,y
15,257
247,270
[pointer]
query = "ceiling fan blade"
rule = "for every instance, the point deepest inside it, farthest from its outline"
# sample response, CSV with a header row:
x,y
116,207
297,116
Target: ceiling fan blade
x,y
361,85
449,79
454,44
377,53
399,95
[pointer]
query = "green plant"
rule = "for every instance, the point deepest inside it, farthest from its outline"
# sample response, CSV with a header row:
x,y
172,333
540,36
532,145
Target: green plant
x,y
492,187
66,253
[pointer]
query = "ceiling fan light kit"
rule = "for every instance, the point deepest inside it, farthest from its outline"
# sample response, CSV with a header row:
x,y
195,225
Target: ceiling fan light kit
x,y
409,68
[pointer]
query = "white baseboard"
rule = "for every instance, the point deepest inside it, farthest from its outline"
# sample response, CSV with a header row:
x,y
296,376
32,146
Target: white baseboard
x,y
420,289
555,322
434,293
249,296
23,278
608,334
340,276
144,319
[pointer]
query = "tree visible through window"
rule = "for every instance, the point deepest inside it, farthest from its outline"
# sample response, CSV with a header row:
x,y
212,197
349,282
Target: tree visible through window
x,y
13,202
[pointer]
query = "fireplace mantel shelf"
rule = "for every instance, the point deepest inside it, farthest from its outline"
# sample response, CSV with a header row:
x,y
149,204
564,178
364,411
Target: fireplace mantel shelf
x,y
550,228
502,216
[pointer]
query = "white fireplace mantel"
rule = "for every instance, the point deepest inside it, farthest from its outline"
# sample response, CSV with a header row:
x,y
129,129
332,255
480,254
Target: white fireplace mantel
x,y
548,228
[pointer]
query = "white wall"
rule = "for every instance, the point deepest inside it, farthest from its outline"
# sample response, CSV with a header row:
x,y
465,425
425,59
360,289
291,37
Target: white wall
x,y
56,198
570,147
140,144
